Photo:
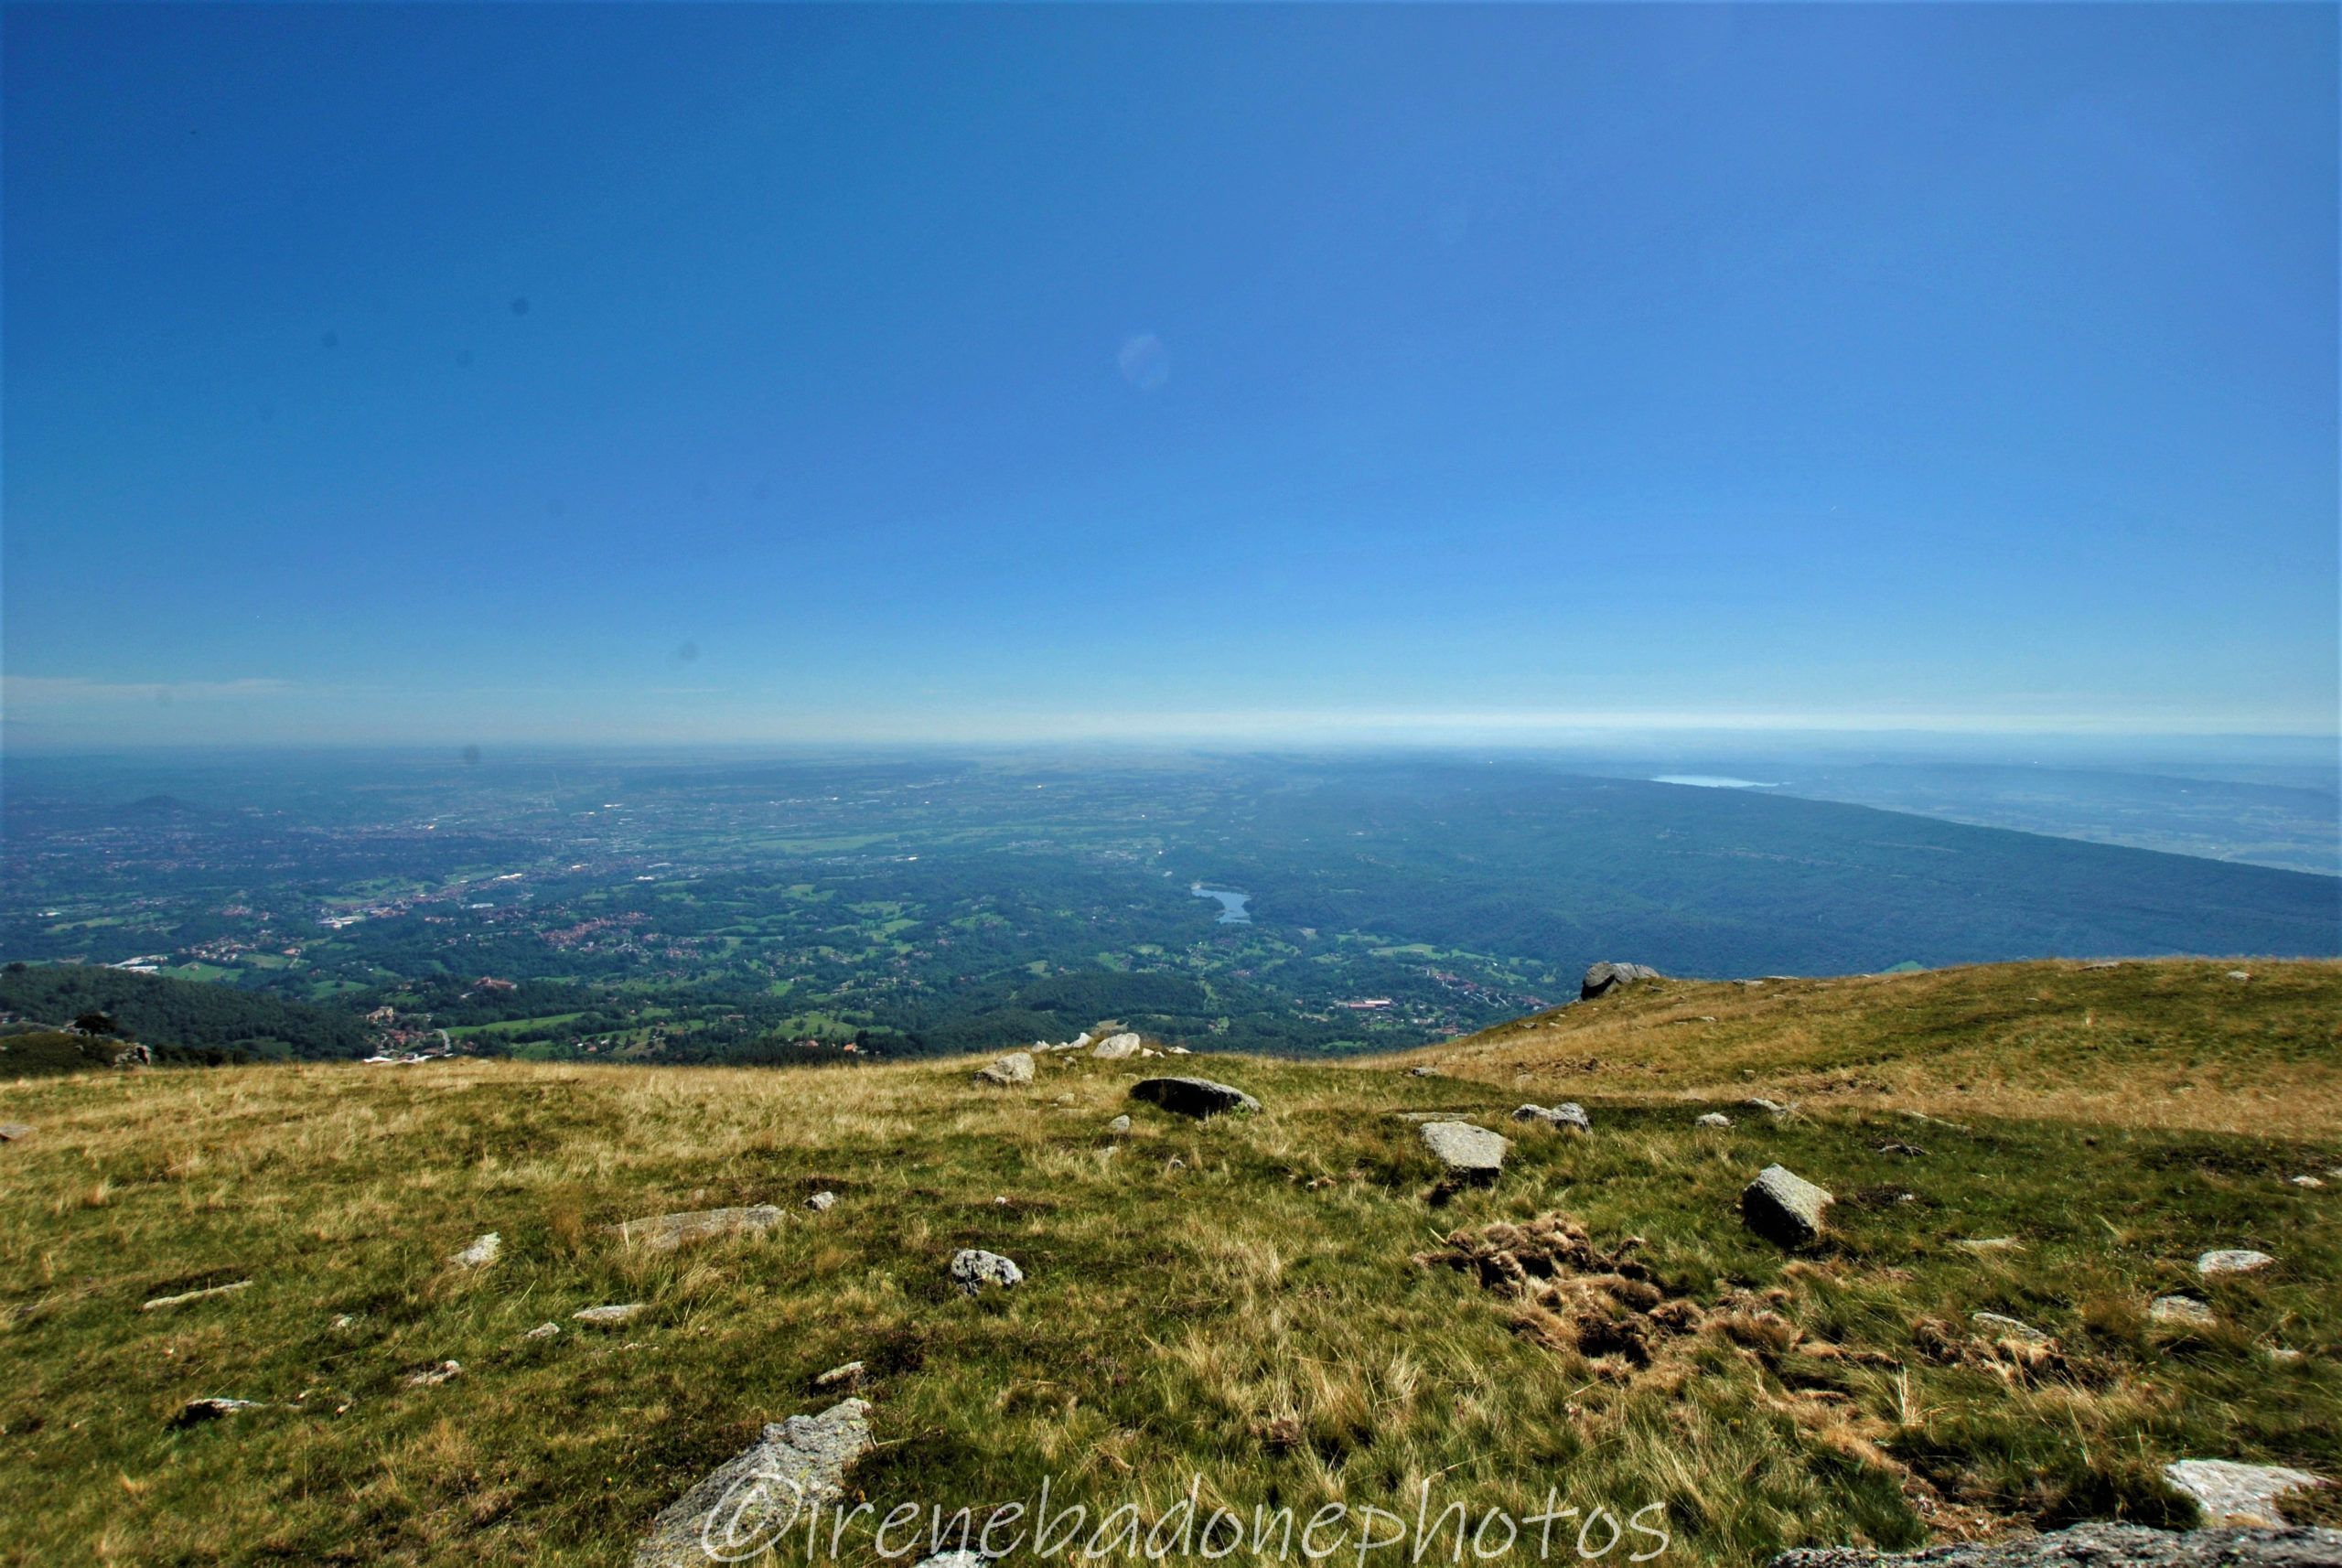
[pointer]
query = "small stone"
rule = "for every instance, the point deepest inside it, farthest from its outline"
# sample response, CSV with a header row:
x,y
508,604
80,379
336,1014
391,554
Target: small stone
x,y
2008,1327
10,1132
481,1253
344,1321
431,1376
1567,1114
2238,974
203,1294
1713,1119
1119,1125
2098,1544
1115,1047
1423,1072
971,1269
665,1232
1784,1208
2233,1261
197,1411
1769,1107
2306,1181
2104,964
1193,1096
2180,1309
1178,1051
544,1331
1908,1151
607,1316
1149,1051
2280,1356
851,1375
1468,1153
1013,1069
821,1202
958,1557
1990,1244
2232,1493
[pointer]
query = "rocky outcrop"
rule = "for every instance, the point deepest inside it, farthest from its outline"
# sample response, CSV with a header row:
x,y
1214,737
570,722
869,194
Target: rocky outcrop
x,y
1604,978
799,1463
665,1232
1193,1096
2099,1545
1784,1208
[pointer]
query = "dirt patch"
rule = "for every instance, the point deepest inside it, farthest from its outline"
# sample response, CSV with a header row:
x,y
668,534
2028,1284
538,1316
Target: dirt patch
x,y
1574,1295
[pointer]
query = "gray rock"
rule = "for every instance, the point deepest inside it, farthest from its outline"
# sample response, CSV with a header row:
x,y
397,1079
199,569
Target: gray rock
x,y
1119,1125
2231,1493
1465,1151
1769,1107
431,1376
1981,1244
850,1375
544,1331
958,1557
2233,1261
2239,974
2099,1545
2004,1327
1114,1047
1713,1119
754,1496
607,1316
12,1131
1604,978
197,1411
821,1202
1567,1114
1193,1096
665,1232
2184,1310
481,1253
2104,964
2305,1181
1784,1208
972,1269
1423,1072
1014,1068
206,1293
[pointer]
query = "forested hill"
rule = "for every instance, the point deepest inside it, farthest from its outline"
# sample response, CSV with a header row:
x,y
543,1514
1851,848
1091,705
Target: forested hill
x,y
181,1015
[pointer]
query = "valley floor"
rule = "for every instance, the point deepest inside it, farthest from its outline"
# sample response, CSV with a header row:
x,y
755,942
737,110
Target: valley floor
x,y
1240,1306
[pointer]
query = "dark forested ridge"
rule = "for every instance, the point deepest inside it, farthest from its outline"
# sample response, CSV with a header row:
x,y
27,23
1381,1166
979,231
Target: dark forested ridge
x,y
181,1015
789,909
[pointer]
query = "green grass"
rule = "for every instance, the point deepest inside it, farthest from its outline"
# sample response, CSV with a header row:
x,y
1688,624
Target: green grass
x,y
1234,1300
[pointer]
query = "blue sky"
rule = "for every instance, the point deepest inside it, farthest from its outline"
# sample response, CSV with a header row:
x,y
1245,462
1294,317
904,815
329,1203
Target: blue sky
x,y
449,373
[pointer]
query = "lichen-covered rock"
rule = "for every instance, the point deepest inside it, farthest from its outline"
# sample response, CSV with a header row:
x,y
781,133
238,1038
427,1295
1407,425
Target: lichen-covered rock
x,y
1784,1208
971,1269
1193,1096
1567,1114
665,1232
1465,1151
1604,978
754,1496
1014,1068
2099,1545
2233,1261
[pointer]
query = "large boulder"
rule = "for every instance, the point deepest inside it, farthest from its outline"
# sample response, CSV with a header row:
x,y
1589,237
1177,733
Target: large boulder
x,y
1193,1096
1114,1047
1604,978
2099,1545
1784,1208
1014,1068
665,1232
1467,1153
755,1495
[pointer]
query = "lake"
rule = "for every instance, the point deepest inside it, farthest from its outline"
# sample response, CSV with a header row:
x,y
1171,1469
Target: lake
x,y
1231,904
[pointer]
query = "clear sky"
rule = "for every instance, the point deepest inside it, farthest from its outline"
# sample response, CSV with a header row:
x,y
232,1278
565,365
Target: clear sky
x,y
456,373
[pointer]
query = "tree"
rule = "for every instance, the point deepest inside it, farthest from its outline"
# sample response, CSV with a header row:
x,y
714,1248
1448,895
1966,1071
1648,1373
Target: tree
x,y
95,1023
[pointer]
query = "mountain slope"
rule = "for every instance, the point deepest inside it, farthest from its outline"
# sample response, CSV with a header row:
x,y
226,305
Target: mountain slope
x,y
1254,1307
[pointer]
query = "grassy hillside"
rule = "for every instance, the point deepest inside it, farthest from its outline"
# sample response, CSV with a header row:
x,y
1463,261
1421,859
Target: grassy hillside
x,y
1238,1300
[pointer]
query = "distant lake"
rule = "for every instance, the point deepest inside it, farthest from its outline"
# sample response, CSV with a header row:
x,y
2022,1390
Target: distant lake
x,y
1712,781
1231,904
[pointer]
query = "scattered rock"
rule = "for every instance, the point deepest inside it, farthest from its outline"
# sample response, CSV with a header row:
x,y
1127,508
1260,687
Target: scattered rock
x,y
1769,1107
1604,978
2099,1545
1078,1041
344,1320
1014,1068
1119,1125
1423,1072
851,1375
972,1269
1115,1047
1178,1050
2233,1261
2306,1181
2181,1309
431,1376
481,1253
1713,1119
1784,1208
665,1232
2239,974
752,1498
2104,964
1193,1096
544,1331
203,1294
195,1413
2232,1493
958,1557
2283,1357
2002,1326
1990,1244
821,1202
1567,1114
1148,1051
1465,1151
1908,1151
10,1132
607,1316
